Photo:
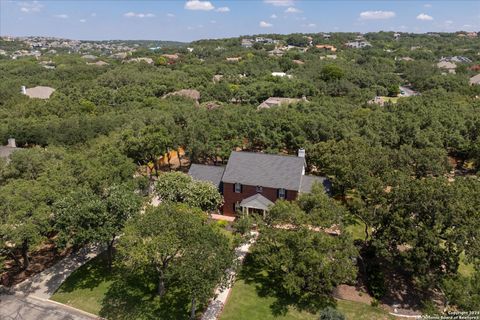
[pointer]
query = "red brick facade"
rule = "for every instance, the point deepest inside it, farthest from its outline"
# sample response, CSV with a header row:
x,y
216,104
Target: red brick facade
x,y
231,197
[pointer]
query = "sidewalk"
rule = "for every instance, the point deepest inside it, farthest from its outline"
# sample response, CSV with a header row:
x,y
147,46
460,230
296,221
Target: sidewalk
x,y
216,305
44,284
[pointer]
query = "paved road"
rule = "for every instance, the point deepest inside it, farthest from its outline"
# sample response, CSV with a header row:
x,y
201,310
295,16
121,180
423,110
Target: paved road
x,y
14,307
29,300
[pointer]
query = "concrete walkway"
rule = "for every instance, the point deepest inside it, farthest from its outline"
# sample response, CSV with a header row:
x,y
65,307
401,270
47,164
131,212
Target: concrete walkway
x,y
44,284
216,305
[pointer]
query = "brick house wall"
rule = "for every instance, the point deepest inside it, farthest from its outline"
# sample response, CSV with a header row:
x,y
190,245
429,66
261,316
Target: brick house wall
x,y
230,197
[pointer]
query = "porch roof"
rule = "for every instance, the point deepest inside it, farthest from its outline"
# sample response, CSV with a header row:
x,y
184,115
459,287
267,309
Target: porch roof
x,y
256,201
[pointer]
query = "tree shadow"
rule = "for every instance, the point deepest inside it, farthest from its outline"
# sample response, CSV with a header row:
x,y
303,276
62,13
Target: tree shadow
x,y
269,286
134,297
89,275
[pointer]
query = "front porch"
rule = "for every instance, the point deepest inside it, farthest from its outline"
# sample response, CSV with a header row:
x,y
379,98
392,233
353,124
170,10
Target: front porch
x,y
256,204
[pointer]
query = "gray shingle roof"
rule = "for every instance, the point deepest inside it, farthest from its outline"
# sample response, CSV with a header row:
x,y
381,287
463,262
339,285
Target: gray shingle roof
x,y
257,201
308,181
266,170
207,173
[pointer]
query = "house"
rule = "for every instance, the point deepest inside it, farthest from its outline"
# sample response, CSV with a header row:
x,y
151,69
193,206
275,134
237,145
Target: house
x,y
299,62
281,75
326,47
187,93
38,92
234,59
396,36
277,52
277,101
449,66
171,57
6,151
146,60
377,100
98,63
475,79
247,43
251,182
358,44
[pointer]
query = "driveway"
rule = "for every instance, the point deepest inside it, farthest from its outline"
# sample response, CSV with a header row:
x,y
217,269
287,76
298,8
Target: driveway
x,y
29,299
14,307
408,92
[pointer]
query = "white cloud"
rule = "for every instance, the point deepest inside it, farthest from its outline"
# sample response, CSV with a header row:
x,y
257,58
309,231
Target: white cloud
x,y
448,22
309,25
82,20
33,6
280,3
273,16
213,21
199,5
170,15
427,5
376,15
265,24
424,17
292,10
138,15
61,16
223,9
93,14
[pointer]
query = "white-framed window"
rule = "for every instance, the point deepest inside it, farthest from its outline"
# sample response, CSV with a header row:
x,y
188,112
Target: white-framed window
x,y
282,193
259,189
238,188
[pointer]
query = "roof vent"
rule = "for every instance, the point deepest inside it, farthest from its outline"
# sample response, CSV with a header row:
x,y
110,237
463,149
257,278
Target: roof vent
x,y
301,153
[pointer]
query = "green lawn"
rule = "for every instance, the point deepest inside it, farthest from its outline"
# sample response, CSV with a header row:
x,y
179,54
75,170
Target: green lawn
x,y
464,268
119,294
249,300
86,288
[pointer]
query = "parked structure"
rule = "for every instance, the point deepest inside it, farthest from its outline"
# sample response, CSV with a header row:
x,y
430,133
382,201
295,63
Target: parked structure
x,y
251,182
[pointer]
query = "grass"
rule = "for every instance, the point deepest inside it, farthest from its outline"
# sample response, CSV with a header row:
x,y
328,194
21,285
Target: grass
x,y
464,268
118,294
86,288
250,300
357,230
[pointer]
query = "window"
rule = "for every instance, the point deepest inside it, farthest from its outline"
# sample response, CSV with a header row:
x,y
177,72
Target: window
x,y
259,189
238,188
236,206
282,193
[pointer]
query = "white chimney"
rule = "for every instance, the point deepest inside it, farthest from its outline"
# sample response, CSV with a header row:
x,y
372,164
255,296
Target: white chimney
x,y
301,153
12,143
24,90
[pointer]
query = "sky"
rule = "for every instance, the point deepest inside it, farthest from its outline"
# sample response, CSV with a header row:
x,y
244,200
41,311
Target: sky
x,y
183,20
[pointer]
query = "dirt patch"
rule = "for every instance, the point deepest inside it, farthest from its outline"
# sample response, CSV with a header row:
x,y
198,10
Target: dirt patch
x,y
352,293
46,256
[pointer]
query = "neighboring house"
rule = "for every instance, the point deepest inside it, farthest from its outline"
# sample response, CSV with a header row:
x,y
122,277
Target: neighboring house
x,y
396,36
449,66
277,101
251,182
38,92
277,52
89,57
377,100
281,75
98,63
234,59
187,93
299,62
456,59
247,43
358,44
326,47
404,59
171,57
146,60
6,151
475,79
